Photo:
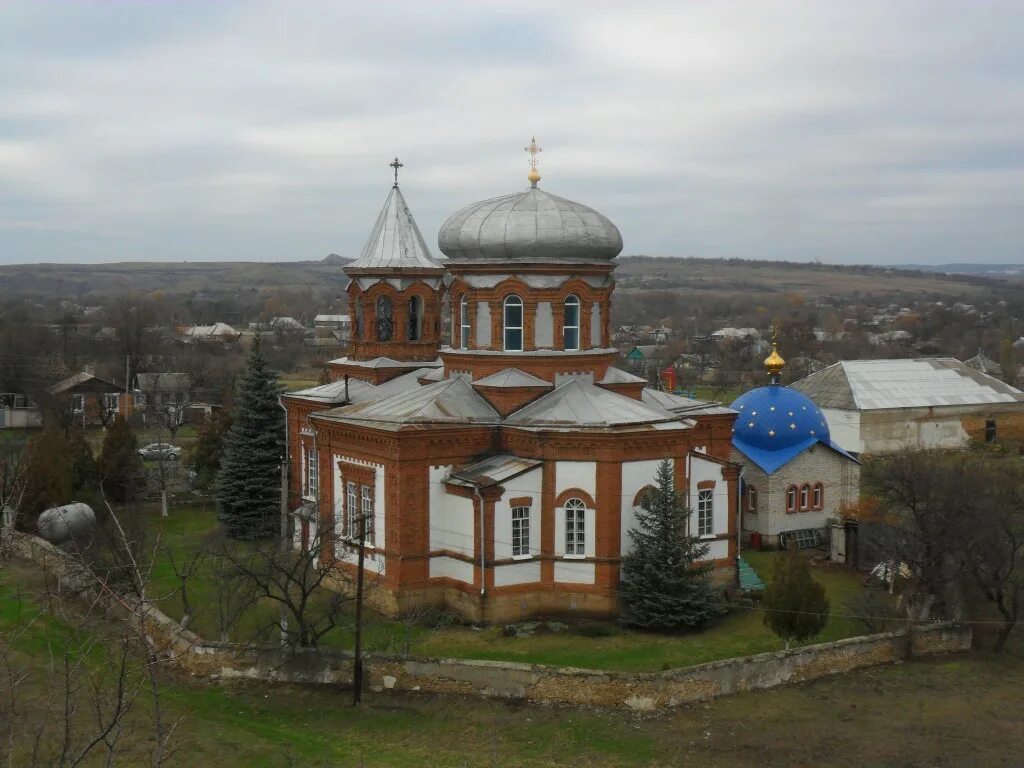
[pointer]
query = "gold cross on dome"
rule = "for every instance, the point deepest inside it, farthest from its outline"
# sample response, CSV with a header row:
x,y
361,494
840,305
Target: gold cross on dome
x,y
396,165
534,150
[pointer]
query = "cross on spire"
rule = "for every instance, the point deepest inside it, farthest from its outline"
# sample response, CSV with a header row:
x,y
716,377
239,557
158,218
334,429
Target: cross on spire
x,y
534,150
396,165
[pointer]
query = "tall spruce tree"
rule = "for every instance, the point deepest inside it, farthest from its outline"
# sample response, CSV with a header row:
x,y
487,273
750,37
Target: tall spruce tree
x,y
663,588
249,483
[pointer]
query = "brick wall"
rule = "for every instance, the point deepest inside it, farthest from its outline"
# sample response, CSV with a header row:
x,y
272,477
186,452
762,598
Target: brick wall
x,y
839,476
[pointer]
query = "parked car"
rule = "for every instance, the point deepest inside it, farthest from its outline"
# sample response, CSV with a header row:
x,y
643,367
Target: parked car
x,y
160,452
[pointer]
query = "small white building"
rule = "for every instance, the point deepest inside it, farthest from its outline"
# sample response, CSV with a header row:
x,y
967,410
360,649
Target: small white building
x,y
881,406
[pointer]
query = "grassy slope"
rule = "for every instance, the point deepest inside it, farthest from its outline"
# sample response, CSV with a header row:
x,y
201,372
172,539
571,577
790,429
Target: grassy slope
x,y
957,711
738,634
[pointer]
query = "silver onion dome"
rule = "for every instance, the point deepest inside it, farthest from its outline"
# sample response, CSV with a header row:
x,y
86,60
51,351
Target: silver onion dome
x,y
532,225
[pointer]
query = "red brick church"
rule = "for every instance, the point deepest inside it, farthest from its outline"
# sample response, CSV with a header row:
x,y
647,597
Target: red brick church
x,y
501,470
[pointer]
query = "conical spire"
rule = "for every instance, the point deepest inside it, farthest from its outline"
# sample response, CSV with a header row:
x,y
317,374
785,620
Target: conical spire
x,y
395,241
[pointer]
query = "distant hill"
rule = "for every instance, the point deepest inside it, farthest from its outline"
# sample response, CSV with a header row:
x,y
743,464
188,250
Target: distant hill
x,y
80,281
993,270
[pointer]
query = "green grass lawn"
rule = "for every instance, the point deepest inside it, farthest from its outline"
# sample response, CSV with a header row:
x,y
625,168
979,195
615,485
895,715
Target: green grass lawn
x,y
961,710
741,632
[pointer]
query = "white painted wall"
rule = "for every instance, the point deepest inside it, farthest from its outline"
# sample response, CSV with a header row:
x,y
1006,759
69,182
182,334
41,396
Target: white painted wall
x,y
574,572
595,325
526,572
483,324
701,470
544,326
576,474
524,485
451,518
844,428
635,475
449,567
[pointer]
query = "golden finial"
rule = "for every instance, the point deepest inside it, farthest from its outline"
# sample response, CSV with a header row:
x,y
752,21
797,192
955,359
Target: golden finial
x,y
774,362
534,150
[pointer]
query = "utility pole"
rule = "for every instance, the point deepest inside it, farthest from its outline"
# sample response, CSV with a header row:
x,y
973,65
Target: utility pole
x,y
357,661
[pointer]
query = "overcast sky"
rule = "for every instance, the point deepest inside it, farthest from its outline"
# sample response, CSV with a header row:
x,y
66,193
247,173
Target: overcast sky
x,y
875,132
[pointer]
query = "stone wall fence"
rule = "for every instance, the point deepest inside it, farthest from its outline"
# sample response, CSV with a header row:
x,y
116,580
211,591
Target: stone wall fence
x,y
638,691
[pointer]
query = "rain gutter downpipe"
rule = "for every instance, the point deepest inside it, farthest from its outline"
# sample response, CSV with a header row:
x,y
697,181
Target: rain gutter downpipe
x,y
483,542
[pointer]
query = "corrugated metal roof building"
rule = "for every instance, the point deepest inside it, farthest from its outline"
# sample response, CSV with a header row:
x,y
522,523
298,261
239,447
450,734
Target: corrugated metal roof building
x,y
881,406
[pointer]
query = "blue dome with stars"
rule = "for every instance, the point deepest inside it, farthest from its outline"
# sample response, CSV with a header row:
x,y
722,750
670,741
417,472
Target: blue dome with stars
x,y
774,424
777,417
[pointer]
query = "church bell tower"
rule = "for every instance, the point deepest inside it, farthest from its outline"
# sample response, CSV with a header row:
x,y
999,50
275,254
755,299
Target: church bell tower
x,y
394,295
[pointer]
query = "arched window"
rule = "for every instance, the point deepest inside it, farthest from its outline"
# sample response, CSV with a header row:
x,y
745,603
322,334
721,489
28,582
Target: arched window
x,y
575,538
791,499
805,497
385,320
414,325
513,324
751,499
818,496
571,324
357,326
464,321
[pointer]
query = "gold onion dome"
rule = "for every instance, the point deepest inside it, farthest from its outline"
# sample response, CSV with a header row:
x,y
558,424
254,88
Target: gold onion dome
x,y
774,362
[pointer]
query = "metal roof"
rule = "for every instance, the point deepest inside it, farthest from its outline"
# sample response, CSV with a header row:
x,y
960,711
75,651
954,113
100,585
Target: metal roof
x,y
577,403
884,384
531,225
395,241
493,470
617,376
512,377
683,405
381,362
449,401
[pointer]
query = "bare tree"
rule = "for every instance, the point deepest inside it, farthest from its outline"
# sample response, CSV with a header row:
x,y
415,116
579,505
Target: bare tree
x,y
995,554
305,583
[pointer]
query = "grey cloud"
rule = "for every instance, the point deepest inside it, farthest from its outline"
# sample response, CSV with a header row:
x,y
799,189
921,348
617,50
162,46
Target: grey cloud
x,y
871,132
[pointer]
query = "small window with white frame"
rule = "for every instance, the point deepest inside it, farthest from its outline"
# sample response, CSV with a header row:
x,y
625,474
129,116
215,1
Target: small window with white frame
x,y
367,511
705,512
312,473
571,324
520,531
351,510
513,324
805,496
464,321
817,495
575,528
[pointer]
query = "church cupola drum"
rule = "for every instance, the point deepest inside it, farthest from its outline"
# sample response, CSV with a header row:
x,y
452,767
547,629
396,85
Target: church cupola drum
x,y
394,296
531,284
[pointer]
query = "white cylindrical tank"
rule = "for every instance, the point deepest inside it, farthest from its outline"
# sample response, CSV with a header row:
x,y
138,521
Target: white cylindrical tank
x,y
59,524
